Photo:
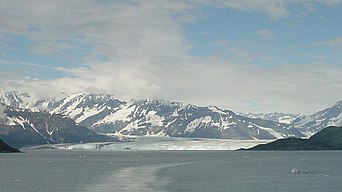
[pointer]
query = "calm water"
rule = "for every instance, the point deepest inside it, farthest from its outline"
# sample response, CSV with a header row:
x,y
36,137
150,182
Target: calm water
x,y
78,171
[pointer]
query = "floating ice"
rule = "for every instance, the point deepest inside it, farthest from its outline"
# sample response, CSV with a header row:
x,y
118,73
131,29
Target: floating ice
x,y
295,171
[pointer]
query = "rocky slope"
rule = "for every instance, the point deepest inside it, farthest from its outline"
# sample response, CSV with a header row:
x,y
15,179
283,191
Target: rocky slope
x,y
22,127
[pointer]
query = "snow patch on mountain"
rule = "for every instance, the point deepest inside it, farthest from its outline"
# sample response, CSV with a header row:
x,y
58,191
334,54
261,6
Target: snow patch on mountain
x,y
216,110
71,108
338,123
88,112
193,125
131,127
154,119
271,131
121,114
17,121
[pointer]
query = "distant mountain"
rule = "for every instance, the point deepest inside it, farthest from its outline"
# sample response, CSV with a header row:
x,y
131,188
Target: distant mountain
x,y
328,139
312,124
4,148
309,124
285,118
23,127
20,100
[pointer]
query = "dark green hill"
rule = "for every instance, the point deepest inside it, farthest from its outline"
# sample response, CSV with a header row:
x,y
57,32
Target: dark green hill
x,y
4,148
328,139
331,136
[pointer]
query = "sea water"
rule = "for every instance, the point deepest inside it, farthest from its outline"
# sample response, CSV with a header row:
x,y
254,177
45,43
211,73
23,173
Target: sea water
x,y
163,171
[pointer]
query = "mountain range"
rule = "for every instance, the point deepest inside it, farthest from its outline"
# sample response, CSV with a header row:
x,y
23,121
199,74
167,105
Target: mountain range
x,y
152,117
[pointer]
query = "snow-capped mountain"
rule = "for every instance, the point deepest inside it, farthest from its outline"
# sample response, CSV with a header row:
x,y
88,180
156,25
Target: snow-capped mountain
x,y
286,118
20,127
105,114
312,124
16,99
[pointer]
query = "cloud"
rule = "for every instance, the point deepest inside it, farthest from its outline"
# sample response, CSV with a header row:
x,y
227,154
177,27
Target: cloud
x,y
264,32
274,9
336,42
147,55
333,46
117,29
27,64
330,2
225,82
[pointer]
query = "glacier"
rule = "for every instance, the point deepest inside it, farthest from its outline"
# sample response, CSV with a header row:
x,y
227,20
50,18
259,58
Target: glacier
x,y
140,143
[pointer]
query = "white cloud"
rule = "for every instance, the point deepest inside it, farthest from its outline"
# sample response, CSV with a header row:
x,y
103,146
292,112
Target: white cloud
x,y
272,8
336,42
264,32
211,81
117,28
148,55
330,2
26,64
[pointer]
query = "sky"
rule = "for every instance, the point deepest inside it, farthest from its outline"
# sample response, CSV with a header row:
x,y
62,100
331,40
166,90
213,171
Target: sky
x,y
242,55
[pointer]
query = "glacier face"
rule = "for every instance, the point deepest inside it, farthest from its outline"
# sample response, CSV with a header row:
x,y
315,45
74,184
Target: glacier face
x,y
165,143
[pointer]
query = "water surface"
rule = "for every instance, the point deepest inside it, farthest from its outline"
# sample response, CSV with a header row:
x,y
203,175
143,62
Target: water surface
x,y
76,171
